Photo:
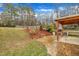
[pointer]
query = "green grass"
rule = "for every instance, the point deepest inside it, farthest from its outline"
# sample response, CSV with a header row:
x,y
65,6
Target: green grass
x,y
16,42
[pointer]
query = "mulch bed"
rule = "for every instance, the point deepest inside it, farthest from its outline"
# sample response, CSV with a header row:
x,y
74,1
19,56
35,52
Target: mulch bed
x,y
38,34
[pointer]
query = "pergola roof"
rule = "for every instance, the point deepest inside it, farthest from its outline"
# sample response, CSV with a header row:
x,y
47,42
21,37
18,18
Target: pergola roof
x,y
69,20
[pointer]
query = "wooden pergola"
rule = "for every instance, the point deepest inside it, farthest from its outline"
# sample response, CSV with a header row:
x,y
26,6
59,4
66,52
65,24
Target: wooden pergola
x,y
66,21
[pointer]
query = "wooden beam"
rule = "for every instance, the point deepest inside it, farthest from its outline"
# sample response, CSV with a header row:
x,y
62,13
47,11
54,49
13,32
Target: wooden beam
x,y
57,28
69,20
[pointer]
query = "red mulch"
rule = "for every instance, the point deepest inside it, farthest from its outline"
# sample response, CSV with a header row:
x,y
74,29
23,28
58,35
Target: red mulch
x,y
40,34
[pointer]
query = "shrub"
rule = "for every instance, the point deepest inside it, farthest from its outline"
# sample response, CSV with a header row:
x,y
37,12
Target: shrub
x,y
50,28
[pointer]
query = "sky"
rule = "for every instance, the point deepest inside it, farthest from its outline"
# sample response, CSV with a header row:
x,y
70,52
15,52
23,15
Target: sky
x,y
43,7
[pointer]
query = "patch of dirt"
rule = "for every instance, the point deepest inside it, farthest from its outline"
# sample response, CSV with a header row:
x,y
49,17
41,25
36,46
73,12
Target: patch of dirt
x,y
66,49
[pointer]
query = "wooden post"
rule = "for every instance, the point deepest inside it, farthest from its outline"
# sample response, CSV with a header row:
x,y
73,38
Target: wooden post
x,y
57,28
62,29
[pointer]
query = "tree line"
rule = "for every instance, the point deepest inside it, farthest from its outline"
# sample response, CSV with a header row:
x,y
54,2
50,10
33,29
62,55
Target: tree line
x,y
17,16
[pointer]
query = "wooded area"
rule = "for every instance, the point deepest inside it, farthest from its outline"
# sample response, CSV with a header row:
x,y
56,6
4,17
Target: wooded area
x,y
20,16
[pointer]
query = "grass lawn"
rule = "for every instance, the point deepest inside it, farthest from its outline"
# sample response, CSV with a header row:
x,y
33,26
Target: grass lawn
x,y
16,42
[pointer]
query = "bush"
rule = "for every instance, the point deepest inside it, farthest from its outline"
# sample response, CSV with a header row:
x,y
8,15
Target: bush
x,y
50,28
